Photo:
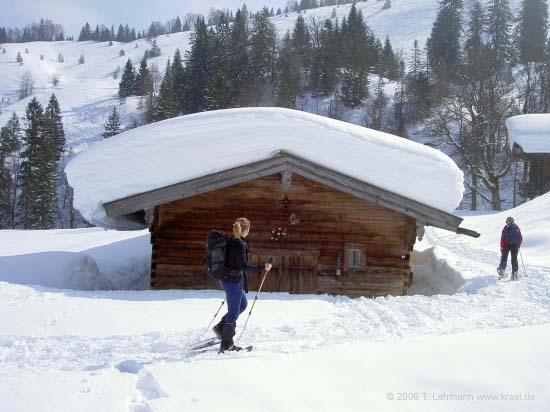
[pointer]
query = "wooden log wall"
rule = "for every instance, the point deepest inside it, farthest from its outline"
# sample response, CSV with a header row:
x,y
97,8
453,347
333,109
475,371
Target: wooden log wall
x,y
315,219
546,174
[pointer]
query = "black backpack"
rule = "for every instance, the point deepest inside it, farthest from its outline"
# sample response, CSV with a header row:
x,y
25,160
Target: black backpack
x,y
216,243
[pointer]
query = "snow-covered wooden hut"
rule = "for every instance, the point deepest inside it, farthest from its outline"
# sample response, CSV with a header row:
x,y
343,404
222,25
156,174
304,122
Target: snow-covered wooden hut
x,y
337,206
530,144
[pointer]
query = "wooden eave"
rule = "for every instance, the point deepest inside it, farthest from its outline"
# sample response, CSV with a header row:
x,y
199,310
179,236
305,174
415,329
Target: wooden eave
x,y
283,161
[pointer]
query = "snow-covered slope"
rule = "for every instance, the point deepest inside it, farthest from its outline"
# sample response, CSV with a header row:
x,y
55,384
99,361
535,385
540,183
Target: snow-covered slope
x,y
88,92
168,152
532,217
67,350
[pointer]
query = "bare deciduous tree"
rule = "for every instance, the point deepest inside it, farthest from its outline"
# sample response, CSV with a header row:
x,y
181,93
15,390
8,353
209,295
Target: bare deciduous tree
x,y
26,85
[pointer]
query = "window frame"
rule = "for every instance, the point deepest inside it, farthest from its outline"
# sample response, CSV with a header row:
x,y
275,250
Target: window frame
x,y
350,248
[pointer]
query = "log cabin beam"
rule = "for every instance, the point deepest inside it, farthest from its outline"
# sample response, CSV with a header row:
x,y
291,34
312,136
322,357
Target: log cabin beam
x,y
287,163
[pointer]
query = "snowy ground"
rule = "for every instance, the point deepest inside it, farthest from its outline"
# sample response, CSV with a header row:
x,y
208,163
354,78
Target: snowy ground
x,y
463,341
68,350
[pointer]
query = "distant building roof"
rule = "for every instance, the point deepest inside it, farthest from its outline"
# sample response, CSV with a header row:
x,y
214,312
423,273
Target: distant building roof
x,y
531,132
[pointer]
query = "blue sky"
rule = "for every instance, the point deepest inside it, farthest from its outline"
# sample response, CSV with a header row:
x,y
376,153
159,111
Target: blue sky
x,y
72,14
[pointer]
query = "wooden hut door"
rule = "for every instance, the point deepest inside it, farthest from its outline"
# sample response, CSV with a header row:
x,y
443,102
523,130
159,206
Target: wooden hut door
x,y
293,271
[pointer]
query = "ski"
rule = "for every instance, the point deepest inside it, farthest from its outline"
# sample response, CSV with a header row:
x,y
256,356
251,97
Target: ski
x,y
204,344
245,349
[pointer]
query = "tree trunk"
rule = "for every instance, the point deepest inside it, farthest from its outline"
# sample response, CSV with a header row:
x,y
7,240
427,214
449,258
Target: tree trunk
x,y
495,196
474,189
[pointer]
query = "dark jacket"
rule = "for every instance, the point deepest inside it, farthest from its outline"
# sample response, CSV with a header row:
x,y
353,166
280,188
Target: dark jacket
x,y
236,261
511,235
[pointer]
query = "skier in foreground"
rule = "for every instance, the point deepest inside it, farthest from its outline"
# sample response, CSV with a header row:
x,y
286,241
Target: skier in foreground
x,y
234,282
510,242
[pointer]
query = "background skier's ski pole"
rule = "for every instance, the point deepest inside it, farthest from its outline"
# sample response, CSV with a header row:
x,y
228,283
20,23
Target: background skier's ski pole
x,y
523,263
255,299
216,314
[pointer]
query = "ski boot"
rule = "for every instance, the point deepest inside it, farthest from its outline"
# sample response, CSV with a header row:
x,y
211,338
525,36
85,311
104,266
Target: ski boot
x,y
227,343
515,275
500,273
218,329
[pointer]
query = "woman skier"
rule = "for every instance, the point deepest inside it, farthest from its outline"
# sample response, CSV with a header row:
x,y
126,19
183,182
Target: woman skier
x,y
237,267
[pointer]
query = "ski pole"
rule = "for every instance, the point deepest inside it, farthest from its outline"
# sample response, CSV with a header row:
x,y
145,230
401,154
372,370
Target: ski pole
x,y
523,263
216,314
255,299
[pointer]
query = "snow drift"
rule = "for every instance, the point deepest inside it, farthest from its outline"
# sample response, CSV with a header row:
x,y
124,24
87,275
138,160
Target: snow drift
x,y
78,259
187,147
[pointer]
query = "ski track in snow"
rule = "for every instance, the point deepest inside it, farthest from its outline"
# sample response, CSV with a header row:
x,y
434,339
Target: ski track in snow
x,y
489,304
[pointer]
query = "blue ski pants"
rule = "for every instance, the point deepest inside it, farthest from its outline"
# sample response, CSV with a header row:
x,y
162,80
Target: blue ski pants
x,y
236,300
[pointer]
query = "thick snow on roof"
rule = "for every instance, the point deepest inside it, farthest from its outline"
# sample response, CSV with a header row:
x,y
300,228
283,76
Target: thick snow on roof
x,y
192,146
531,132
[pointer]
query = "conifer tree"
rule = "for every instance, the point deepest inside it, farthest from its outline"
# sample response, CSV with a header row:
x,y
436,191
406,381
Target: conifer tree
x,y
499,23
474,46
143,82
533,28
262,46
165,107
330,57
218,93
444,42
417,86
112,126
120,35
85,33
301,41
289,66
177,26
400,102
53,128
154,51
178,83
378,106
197,69
389,64
38,203
239,54
220,46
10,146
357,59
127,81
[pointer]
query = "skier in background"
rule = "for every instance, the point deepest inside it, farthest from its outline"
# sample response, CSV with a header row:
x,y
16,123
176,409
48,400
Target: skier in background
x,y
510,242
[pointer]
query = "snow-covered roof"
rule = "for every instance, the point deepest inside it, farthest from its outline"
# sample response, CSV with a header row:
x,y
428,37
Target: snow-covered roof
x,y
188,147
531,132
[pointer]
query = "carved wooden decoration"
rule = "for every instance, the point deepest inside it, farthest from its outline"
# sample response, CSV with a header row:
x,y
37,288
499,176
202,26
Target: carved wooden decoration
x,y
286,180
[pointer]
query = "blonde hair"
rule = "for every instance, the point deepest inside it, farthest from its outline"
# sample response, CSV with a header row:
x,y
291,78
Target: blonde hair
x,y
240,225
